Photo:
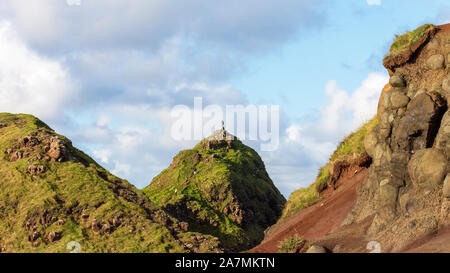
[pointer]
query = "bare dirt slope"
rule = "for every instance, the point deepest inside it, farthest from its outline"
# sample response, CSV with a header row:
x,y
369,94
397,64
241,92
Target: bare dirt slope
x,y
315,222
437,243
322,224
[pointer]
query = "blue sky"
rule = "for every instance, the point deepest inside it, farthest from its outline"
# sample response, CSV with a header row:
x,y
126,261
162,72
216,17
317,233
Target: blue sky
x,y
107,73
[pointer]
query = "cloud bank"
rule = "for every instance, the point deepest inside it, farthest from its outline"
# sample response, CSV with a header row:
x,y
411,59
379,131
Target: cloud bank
x,y
30,83
111,70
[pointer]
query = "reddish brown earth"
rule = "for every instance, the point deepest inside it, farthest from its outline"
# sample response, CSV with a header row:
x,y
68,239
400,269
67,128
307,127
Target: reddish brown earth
x,y
444,28
315,222
437,243
321,224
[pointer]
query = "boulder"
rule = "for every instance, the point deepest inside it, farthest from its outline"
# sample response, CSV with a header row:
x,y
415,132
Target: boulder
x,y
397,81
316,249
55,150
419,92
53,236
436,62
417,128
427,168
370,143
388,193
399,100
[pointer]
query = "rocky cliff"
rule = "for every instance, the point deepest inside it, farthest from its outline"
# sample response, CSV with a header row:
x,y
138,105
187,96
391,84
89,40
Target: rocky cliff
x,y
399,198
408,187
53,196
220,188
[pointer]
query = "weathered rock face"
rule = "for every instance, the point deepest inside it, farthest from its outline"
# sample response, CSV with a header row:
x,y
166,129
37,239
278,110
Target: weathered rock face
x,y
417,128
427,168
410,148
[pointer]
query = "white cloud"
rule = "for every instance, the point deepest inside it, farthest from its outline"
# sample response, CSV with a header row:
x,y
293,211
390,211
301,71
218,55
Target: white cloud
x,y
103,155
251,25
347,111
138,135
306,147
103,121
39,21
31,83
121,169
373,2
135,68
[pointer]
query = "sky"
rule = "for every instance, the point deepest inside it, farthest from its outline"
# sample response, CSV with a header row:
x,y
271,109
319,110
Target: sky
x,y
106,73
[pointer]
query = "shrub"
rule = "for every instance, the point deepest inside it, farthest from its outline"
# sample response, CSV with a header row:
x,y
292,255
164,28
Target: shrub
x,y
291,244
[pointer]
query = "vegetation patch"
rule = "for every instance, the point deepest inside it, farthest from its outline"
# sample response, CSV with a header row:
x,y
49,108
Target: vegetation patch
x,y
291,245
352,145
404,41
300,199
404,46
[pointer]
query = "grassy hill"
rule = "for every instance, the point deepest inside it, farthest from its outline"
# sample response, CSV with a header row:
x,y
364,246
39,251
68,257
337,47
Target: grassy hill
x,y
221,189
52,193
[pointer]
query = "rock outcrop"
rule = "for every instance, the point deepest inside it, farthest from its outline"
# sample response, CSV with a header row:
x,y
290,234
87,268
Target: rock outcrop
x,y
405,189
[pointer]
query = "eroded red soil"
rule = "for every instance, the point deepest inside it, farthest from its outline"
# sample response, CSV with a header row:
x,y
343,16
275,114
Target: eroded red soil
x,y
315,222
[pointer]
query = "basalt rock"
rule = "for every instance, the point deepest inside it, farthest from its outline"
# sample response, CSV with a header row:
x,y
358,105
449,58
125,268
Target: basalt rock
x,y
406,189
427,168
417,129
436,62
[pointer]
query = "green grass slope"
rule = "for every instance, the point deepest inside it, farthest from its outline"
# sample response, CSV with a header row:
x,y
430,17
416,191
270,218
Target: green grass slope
x,y
52,194
350,146
405,40
404,46
223,191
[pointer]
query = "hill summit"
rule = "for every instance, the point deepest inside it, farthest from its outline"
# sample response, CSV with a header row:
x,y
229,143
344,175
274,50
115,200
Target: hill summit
x,y
221,188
